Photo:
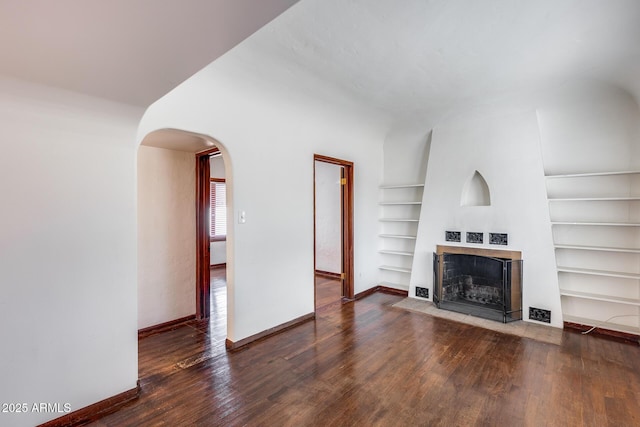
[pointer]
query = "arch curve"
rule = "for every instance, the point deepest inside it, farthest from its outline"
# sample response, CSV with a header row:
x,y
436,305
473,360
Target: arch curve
x,y
194,145
476,191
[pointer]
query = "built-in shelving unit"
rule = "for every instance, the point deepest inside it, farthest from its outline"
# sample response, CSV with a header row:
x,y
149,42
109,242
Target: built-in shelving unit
x,y
602,224
598,248
401,253
598,297
399,217
605,273
596,230
394,268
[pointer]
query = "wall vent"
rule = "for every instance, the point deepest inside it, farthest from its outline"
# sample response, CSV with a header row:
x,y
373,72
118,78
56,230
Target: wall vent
x,y
539,314
422,292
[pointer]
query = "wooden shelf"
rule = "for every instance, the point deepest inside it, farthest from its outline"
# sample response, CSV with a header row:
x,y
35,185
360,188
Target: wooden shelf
x,y
401,253
599,248
389,187
605,273
399,220
600,324
597,297
589,174
397,236
394,268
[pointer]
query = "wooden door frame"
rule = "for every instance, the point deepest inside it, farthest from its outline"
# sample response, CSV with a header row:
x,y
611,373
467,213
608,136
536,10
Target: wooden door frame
x,y
203,241
346,220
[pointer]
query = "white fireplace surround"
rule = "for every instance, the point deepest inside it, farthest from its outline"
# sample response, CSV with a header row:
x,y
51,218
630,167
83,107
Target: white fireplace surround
x,y
505,149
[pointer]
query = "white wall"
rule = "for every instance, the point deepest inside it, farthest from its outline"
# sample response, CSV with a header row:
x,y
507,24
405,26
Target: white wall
x,y
218,250
166,235
328,222
269,134
406,153
67,249
592,129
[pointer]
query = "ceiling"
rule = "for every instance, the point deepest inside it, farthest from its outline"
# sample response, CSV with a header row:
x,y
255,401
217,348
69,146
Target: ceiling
x,y
130,51
398,57
417,56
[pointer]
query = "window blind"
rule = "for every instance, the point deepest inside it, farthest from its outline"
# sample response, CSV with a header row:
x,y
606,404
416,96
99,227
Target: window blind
x,y
218,196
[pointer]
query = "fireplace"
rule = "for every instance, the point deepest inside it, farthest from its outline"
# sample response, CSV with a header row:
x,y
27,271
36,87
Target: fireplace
x,y
481,282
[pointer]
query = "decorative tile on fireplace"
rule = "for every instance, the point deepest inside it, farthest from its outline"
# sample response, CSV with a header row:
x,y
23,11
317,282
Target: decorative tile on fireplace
x,y
453,236
498,239
475,237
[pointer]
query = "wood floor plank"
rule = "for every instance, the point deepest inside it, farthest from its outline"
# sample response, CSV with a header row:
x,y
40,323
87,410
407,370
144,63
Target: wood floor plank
x,y
368,363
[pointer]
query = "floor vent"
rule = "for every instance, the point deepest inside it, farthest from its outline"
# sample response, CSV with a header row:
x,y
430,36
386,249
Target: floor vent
x,y
422,292
540,314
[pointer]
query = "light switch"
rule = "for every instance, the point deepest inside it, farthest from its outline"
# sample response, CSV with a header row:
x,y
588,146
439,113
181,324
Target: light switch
x,y
242,217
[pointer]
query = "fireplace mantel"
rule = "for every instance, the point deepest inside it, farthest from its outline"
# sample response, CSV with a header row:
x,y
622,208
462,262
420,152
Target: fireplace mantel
x,y
466,250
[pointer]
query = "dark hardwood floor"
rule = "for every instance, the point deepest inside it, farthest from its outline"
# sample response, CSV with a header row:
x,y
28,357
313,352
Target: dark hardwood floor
x,y
328,292
366,363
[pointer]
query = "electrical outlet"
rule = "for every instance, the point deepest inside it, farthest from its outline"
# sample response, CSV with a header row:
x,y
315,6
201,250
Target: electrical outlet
x,y
540,314
422,292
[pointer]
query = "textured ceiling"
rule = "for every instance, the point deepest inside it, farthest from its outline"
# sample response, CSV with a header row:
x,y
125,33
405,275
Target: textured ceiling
x,y
400,58
131,51
415,56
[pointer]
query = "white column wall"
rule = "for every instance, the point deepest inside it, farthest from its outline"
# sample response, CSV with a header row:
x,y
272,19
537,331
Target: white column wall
x,y
67,249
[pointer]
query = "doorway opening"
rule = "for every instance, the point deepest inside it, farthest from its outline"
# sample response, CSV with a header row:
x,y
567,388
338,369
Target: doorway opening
x,y
211,232
333,230
180,176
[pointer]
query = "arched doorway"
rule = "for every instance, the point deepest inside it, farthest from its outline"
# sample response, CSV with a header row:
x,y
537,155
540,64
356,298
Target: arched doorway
x,y
173,219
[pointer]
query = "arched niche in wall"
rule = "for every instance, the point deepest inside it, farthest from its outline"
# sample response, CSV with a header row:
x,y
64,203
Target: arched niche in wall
x,y
476,191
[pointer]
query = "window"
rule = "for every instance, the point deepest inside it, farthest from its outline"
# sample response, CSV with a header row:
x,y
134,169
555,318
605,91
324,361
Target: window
x,y
218,221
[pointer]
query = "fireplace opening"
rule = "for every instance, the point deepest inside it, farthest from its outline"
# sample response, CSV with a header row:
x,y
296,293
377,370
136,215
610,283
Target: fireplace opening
x,y
480,284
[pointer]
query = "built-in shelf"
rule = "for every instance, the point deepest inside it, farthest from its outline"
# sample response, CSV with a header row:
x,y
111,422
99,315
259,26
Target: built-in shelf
x,y
595,199
599,248
399,203
399,219
394,268
401,253
597,297
580,304
388,187
602,324
592,272
589,174
602,224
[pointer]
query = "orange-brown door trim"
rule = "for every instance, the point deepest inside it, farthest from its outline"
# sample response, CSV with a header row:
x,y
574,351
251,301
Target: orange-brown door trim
x,y
203,248
346,222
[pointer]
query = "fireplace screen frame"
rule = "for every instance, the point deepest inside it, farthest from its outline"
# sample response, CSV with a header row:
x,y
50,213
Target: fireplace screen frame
x,y
508,309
